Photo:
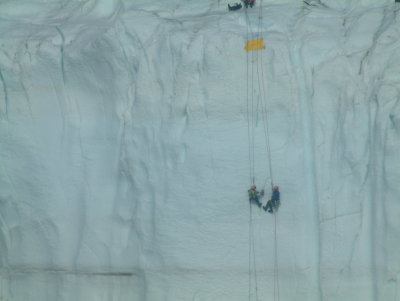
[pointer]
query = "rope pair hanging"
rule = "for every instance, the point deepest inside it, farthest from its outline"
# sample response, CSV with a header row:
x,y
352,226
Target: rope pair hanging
x,y
255,47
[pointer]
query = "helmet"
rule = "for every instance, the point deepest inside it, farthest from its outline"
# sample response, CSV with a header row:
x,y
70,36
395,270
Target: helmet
x,y
276,187
253,187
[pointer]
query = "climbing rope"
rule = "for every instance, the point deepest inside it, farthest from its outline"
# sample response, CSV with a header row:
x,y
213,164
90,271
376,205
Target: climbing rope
x,y
256,57
251,124
262,89
252,109
251,142
252,258
268,148
276,268
250,116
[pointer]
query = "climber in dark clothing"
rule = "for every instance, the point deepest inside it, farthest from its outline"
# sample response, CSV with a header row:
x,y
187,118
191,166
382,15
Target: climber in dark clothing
x,y
249,2
275,201
235,6
255,196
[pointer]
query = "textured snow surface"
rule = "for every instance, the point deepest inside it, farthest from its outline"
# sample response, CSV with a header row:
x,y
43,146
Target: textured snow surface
x,y
124,157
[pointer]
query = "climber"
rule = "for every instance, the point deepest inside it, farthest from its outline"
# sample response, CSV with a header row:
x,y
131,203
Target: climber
x,y
255,196
235,6
275,201
249,2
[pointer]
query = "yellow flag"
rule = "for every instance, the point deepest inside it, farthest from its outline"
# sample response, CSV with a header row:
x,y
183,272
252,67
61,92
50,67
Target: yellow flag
x,y
254,44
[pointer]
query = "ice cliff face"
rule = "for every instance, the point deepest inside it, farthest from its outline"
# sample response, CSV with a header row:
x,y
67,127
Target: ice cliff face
x,y
124,161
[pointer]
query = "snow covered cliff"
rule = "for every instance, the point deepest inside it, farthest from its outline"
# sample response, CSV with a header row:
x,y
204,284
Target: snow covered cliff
x,y
124,154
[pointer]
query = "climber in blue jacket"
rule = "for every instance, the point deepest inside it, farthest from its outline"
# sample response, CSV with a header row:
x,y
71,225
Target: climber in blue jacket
x,y
248,3
275,201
